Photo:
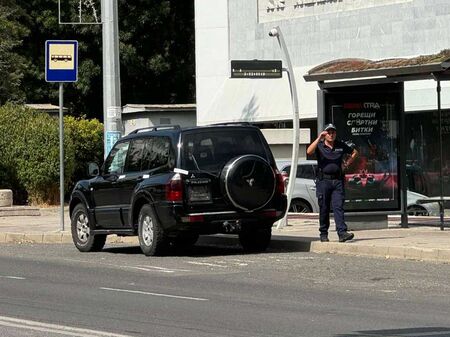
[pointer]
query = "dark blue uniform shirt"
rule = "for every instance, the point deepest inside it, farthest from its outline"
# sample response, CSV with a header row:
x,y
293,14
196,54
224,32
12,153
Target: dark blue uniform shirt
x,y
329,160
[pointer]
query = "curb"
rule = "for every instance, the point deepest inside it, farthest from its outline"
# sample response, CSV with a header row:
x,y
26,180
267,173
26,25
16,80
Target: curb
x,y
299,244
6,211
279,242
56,237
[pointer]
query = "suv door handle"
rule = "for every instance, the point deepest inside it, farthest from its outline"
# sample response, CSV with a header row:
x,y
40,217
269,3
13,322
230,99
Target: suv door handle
x,y
312,188
142,177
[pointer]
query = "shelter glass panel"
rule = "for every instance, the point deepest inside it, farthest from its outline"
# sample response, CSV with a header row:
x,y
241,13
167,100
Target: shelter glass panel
x,y
367,118
423,152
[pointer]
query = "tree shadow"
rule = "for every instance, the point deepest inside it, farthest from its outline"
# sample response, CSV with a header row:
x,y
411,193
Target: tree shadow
x,y
249,110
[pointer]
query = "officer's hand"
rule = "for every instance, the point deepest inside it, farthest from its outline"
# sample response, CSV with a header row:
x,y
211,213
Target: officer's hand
x,y
323,134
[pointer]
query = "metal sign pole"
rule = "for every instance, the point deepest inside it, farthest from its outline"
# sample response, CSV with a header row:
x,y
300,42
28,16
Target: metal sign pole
x,y
61,154
441,158
61,65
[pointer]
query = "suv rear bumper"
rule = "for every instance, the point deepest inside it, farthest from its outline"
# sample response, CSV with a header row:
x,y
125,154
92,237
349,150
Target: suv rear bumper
x,y
173,217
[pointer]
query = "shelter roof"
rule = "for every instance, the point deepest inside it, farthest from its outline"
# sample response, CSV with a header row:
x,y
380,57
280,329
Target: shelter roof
x,y
424,66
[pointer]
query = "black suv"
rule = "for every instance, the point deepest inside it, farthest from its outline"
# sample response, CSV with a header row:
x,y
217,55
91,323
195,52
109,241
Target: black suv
x,y
169,185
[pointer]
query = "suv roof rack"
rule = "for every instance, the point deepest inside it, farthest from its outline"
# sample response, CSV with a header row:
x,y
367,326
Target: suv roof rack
x,y
234,123
156,128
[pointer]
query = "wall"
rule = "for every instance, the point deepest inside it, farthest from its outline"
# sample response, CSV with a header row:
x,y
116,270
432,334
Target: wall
x,y
144,119
323,31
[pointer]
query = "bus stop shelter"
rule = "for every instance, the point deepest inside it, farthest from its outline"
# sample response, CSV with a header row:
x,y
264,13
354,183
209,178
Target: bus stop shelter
x,y
338,75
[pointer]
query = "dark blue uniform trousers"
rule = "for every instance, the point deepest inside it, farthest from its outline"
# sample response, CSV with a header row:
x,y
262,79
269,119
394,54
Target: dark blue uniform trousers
x,y
330,192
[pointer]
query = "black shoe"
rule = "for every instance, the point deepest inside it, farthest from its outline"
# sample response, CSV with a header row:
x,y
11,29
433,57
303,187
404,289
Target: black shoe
x,y
346,236
324,239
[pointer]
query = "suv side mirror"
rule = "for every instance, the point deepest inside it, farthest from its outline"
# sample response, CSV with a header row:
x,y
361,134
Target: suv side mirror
x,y
93,169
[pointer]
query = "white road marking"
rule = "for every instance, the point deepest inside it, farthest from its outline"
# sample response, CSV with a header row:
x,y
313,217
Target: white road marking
x,y
155,294
53,328
138,267
148,269
161,269
234,262
206,264
13,277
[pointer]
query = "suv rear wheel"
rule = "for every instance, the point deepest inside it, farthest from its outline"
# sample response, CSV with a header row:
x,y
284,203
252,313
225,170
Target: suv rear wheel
x,y
152,239
255,240
81,231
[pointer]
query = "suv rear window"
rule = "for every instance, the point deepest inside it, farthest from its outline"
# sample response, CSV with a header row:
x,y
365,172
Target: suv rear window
x,y
211,150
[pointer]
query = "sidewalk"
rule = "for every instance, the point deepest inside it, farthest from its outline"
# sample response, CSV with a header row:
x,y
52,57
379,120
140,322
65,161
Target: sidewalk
x,y
426,243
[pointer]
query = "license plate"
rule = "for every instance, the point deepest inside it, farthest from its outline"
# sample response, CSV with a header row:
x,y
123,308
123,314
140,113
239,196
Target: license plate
x,y
199,193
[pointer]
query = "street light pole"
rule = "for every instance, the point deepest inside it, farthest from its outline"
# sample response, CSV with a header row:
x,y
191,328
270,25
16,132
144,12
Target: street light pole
x,y
276,32
112,108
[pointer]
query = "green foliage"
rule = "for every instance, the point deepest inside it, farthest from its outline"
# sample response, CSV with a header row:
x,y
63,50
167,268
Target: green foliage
x,y
87,138
11,63
160,67
156,53
30,152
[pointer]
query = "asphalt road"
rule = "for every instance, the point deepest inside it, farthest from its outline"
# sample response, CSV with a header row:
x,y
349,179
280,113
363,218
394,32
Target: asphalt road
x,y
53,290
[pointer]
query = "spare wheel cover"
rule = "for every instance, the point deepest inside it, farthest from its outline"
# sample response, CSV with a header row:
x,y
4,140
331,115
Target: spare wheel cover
x,y
249,182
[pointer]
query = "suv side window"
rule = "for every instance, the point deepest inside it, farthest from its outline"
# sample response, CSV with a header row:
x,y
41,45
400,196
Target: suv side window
x,y
134,158
115,162
157,153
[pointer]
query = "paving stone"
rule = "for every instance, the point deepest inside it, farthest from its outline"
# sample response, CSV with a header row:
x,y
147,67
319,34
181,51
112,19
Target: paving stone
x,y
430,254
413,253
444,255
34,238
14,237
66,238
396,252
52,238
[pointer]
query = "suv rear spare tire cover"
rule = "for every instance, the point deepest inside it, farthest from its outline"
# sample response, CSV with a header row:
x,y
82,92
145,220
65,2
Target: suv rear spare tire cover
x,y
248,181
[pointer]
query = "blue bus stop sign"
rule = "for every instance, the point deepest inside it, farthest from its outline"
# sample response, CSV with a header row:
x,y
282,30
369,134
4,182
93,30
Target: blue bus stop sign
x,y
61,61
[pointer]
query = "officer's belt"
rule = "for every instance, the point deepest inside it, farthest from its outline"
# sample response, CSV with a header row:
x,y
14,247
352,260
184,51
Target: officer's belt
x,y
330,176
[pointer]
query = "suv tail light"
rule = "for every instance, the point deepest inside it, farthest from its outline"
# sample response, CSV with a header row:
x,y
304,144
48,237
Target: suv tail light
x,y
280,182
174,189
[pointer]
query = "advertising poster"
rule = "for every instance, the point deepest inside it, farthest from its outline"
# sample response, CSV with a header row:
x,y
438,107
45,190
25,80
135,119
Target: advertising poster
x,y
367,118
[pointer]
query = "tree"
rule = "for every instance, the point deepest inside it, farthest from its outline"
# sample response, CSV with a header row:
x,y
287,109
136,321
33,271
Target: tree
x,y
157,51
156,46
11,63
83,97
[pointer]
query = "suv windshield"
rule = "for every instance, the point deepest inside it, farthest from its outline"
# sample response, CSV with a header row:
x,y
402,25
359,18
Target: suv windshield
x,y
211,149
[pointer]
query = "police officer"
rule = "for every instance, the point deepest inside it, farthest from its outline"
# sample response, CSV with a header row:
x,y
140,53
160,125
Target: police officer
x,y
330,180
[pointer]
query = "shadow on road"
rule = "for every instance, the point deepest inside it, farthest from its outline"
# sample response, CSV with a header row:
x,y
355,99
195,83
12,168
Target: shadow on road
x,y
217,247
410,332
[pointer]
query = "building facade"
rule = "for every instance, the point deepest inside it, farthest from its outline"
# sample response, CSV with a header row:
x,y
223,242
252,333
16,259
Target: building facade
x,y
317,32
136,116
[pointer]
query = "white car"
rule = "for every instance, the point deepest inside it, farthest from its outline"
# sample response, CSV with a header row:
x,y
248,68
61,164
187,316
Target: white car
x,y
304,198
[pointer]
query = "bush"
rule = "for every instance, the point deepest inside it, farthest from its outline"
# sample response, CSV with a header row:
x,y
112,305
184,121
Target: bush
x,y
30,152
12,120
87,138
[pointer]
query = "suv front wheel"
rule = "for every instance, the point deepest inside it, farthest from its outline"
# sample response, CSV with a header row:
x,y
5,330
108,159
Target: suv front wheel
x,y
152,238
81,229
